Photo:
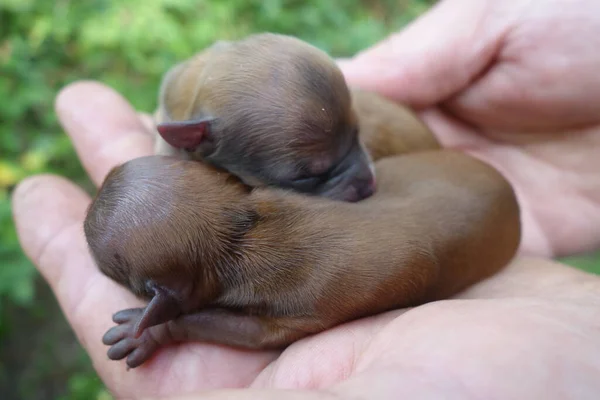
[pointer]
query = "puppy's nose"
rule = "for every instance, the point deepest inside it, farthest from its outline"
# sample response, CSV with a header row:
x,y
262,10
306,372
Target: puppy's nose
x,y
366,188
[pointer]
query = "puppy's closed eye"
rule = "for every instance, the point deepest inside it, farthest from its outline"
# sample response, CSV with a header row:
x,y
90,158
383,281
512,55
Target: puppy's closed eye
x,y
308,183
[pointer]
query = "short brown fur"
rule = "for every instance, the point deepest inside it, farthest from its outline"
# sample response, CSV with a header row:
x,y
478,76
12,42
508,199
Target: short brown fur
x,y
223,259
262,268
282,114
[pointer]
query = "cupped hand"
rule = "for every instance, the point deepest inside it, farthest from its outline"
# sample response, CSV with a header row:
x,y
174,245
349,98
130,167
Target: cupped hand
x,y
531,331
515,83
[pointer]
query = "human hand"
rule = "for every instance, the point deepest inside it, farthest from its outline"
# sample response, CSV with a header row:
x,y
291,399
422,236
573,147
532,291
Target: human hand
x,y
515,83
529,332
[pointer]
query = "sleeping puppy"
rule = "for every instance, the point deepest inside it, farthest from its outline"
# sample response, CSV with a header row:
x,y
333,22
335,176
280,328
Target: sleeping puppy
x,y
222,262
226,251
276,111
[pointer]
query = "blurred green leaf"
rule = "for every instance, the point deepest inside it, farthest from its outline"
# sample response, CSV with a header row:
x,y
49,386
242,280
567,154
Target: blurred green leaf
x,y
85,387
587,262
16,274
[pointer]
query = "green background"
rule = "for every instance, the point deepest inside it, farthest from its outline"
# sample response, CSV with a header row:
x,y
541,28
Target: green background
x,y
128,45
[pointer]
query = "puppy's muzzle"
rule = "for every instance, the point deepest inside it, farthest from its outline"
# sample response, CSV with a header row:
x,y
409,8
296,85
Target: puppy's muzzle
x,y
353,179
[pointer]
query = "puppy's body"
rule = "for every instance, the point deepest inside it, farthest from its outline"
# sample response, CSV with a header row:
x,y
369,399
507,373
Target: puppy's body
x,y
262,268
221,261
274,110
388,129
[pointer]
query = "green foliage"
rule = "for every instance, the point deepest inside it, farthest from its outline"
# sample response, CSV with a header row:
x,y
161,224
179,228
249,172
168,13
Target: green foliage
x,y
85,386
16,275
588,262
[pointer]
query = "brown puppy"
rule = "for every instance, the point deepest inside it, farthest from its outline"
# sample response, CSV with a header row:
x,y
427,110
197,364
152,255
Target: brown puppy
x,y
387,129
274,110
260,268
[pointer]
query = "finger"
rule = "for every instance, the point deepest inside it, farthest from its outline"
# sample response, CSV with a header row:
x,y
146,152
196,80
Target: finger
x,y
535,277
49,213
263,394
433,58
105,129
148,122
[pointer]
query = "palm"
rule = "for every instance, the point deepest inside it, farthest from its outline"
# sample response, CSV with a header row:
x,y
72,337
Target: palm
x,y
554,174
415,346
536,119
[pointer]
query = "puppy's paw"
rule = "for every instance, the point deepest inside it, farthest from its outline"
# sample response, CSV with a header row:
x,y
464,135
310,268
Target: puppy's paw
x,y
123,342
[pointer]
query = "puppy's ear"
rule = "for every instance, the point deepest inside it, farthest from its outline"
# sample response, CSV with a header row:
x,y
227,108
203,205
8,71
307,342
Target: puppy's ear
x,y
162,308
186,135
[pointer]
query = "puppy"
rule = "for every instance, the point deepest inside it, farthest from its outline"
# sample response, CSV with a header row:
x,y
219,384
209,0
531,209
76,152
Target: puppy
x,y
276,111
258,268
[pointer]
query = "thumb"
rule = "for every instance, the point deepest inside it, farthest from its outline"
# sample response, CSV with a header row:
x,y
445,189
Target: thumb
x,y
435,57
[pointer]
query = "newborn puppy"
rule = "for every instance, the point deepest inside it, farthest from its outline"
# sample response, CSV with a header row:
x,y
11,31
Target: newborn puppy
x,y
261,268
387,129
276,111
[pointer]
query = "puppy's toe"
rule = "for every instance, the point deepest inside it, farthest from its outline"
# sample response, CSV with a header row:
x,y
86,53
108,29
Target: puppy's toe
x,y
115,334
122,348
127,315
140,355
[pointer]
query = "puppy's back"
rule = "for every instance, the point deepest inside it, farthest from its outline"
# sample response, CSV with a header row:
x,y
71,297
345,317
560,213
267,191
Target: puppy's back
x,y
464,206
388,129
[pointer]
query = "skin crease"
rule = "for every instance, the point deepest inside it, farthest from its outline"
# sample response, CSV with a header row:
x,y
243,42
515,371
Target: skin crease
x,y
543,311
514,83
530,306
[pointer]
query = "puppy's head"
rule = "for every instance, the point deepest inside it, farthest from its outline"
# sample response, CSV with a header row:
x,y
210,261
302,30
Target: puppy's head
x,y
159,224
273,111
